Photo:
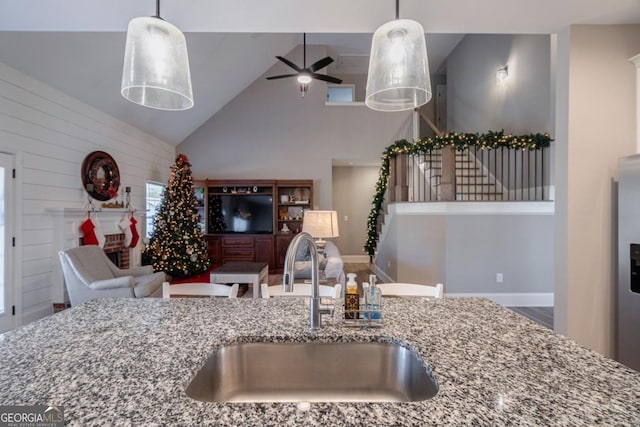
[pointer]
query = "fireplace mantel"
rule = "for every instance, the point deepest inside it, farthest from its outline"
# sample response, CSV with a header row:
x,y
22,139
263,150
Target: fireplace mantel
x,y
67,234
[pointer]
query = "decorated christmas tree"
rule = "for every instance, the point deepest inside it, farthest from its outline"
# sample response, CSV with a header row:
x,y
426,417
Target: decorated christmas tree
x,y
216,222
177,245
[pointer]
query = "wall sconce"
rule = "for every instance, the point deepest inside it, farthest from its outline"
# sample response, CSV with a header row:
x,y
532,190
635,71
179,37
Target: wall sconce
x,y
501,75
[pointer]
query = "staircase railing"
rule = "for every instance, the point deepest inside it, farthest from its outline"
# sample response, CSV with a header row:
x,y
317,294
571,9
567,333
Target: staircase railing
x,y
474,174
475,167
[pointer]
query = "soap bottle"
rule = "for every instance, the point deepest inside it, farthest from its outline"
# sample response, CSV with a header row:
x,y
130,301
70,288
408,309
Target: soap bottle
x,y
372,280
375,302
364,304
351,298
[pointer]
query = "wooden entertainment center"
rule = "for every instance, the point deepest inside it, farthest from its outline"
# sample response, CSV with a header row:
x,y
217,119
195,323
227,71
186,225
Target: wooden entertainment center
x,y
252,220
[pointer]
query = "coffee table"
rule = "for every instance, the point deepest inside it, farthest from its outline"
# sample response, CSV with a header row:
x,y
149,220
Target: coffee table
x,y
242,272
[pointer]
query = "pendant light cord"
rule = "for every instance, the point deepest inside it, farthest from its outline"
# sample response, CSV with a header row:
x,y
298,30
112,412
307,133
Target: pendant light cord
x,y
304,50
158,9
397,9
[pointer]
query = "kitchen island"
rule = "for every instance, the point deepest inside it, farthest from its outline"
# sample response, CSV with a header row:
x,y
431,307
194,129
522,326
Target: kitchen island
x,y
128,362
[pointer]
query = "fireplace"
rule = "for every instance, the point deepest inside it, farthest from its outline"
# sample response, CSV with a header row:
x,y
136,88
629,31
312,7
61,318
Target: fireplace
x,y
67,234
115,258
115,249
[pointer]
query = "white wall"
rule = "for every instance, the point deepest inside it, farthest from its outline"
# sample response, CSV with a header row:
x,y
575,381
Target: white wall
x,y
50,133
269,131
475,103
595,126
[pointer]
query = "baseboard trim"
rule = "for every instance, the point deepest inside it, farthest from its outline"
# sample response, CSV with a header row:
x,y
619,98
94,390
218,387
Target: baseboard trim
x,y
381,274
355,258
513,300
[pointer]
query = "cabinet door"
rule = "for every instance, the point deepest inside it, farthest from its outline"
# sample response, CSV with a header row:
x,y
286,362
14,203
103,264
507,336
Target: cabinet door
x,y
264,250
282,244
214,249
237,248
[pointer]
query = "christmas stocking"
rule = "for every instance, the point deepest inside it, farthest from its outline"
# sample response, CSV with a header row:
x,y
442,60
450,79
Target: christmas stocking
x,y
99,234
125,226
135,236
89,236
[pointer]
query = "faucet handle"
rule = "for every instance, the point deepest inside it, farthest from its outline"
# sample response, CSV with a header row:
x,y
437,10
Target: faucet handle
x,y
287,286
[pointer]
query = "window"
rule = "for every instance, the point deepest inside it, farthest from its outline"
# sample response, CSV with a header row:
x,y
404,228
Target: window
x,y
340,93
154,192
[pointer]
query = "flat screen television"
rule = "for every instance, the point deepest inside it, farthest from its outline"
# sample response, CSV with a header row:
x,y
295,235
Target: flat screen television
x,y
241,213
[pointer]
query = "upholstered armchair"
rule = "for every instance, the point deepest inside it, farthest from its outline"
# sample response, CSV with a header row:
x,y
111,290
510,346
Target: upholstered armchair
x,y
331,263
89,274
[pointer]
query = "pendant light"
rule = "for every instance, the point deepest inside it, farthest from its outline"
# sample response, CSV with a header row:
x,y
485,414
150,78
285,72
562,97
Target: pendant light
x,y
156,65
398,76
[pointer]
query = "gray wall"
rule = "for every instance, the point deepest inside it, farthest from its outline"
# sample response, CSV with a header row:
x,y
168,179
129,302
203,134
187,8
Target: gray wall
x,y
353,190
360,83
465,251
386,258
475,103
270,131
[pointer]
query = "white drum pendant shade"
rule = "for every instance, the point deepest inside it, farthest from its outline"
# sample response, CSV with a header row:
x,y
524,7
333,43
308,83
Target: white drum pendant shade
x,y
398,76
156,65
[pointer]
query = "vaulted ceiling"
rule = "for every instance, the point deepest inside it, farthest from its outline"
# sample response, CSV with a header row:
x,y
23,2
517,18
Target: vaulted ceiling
x,y
77,46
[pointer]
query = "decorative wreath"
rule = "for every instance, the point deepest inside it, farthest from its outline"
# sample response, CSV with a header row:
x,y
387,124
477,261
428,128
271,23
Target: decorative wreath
x,y
100,176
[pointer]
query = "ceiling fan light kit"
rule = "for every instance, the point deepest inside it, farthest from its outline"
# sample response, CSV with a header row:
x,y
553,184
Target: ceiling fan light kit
x,y
398,77
304,79
156,71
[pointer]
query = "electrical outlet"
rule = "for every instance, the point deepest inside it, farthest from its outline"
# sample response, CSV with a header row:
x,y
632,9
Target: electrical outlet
x,y
499,278
346,217
388,263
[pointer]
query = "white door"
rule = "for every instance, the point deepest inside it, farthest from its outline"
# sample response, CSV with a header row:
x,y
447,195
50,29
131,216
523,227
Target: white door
x,y
6,242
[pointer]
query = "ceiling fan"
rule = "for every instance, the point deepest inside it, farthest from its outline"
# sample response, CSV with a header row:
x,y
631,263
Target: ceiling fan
x,y
305,74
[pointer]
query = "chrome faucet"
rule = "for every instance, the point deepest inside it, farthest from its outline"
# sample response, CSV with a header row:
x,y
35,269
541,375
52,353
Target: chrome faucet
x,y
288,276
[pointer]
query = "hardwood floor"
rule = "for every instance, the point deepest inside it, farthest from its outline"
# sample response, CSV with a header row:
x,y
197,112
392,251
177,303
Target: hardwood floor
x,y
361,269
541,315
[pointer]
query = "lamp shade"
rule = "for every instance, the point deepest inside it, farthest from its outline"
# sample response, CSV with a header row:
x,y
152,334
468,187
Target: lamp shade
x,y
398,76
156,65
320,224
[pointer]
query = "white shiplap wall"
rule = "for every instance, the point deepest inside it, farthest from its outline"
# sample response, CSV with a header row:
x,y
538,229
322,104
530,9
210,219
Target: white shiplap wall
x,y
49,134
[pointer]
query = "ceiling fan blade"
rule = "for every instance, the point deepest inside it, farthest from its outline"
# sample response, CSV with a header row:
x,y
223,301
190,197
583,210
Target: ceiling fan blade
x,y
318,65
289,63
326,78
282,76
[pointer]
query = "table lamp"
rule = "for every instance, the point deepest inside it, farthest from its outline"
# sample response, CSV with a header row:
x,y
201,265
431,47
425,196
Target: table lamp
x,y
320,224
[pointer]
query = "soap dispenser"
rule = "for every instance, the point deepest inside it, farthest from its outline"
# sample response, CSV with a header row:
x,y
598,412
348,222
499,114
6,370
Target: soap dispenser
x,y
351,298
375,302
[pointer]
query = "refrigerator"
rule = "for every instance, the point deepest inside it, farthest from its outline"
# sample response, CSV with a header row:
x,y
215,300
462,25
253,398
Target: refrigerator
x,y
628,292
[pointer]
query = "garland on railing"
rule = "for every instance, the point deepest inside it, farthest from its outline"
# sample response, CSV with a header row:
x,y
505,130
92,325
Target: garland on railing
x,y
489,141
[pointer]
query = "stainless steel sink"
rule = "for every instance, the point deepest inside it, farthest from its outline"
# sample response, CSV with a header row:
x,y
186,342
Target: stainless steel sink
x,y
313,372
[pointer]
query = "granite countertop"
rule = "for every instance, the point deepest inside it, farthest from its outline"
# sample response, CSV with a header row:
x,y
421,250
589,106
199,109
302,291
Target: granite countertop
x,y
128,361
